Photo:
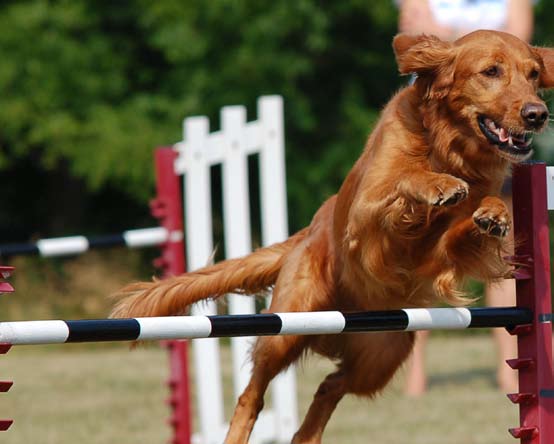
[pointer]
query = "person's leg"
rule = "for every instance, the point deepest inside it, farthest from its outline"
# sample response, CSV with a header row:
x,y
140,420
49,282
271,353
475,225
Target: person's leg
x,y
416,378
503,294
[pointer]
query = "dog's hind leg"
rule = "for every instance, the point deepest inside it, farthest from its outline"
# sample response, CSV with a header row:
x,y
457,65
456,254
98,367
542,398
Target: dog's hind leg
x,y
369,360
271,355
328,395
303,285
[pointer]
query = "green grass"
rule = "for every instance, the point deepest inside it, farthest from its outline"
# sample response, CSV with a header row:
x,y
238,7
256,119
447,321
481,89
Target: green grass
x,y
106,394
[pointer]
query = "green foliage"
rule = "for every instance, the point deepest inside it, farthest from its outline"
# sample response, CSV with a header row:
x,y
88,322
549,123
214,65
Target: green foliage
x,y
93,86
69,91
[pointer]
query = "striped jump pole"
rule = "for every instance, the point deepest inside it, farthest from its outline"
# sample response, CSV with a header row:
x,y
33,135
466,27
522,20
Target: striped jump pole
x,y
72,245
299,323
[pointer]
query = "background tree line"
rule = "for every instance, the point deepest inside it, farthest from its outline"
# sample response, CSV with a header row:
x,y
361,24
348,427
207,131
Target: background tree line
x,y
90,87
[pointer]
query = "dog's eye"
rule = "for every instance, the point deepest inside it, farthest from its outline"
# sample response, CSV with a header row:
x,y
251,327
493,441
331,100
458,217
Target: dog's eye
x,y
534,74
492,71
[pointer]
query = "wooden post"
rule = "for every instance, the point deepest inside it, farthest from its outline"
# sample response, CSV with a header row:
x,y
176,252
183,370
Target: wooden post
x,y
167,207
534,362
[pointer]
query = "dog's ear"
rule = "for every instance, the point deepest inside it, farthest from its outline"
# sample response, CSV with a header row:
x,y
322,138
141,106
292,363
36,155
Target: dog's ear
x,y
431,58
546,55
421,53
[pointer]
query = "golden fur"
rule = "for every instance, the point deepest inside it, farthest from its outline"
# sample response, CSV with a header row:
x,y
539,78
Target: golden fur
x,y
416,215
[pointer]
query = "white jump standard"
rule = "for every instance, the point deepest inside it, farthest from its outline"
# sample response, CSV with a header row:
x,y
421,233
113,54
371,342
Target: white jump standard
x,y
194,327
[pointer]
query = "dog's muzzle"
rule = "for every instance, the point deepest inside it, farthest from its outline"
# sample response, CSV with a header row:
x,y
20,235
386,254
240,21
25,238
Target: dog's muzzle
x,y
516,146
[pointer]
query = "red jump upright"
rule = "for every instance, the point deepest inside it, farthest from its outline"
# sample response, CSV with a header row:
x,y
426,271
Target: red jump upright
x,y
5,287
167,207
534,362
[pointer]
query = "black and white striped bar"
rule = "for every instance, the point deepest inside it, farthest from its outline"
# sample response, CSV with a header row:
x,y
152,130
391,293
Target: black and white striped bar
x,y
66,246
324,322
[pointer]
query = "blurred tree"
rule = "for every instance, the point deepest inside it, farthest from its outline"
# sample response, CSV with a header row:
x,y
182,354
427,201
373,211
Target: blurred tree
x,y
89,87
544,36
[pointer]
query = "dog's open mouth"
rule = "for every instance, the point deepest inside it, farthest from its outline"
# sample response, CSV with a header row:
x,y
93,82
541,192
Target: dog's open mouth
x,y
515,146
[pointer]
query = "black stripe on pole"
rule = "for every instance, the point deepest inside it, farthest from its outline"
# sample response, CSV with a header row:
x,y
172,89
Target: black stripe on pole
x,y
99,330
245,325
500,317
106,240
8,250
376,321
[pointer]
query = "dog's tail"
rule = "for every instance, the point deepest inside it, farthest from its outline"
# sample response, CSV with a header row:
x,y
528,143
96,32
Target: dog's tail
x,y
250,274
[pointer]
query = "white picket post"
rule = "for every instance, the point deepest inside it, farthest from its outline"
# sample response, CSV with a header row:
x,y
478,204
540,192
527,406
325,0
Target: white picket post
x,y
199,246
275,229
236,223
272,170
230,147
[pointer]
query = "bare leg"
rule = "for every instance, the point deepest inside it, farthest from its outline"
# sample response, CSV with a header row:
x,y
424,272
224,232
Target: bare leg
x,y
416,378
500,294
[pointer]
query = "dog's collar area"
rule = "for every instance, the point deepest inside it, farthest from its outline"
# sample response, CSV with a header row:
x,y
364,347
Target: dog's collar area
x,y
516,145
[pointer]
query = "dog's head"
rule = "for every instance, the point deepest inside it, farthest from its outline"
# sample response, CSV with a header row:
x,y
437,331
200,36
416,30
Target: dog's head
x,y
488,80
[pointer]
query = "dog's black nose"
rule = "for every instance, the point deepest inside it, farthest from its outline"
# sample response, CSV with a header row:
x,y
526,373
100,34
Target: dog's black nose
x,y
534,114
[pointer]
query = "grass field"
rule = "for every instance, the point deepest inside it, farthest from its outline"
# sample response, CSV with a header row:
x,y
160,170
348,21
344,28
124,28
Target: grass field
x,y
106,394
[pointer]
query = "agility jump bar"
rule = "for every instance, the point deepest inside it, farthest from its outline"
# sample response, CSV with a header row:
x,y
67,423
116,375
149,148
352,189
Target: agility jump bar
x,y
300,323
65,246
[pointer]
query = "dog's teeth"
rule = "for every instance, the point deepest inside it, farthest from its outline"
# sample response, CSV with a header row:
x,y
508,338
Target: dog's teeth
x,y
504,136
525,142
491,125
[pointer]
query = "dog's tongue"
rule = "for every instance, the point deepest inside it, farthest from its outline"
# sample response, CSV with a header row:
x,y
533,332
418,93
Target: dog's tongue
x,y
503,135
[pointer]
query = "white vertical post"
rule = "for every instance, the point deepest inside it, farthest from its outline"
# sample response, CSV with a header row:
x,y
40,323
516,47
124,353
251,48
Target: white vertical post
x,y
272,170
199,245
236,215
231,147
275,229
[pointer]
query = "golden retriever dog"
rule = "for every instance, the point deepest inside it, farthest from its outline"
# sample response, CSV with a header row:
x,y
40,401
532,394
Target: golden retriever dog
x,y
417,214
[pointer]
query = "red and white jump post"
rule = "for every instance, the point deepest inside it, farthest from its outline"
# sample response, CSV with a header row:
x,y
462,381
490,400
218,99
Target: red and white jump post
x,y
534,362
5,287
168,209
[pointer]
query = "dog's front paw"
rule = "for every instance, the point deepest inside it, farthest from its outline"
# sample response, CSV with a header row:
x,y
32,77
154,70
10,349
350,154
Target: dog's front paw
x,y
448,191
493,220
